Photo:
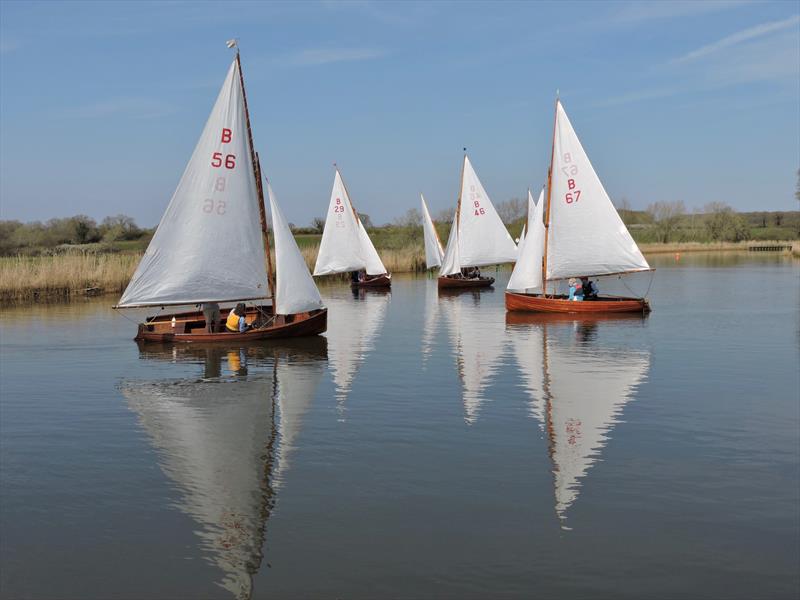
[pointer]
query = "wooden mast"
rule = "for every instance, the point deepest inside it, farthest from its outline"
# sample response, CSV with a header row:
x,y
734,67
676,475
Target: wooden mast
x,y
259,188
549,194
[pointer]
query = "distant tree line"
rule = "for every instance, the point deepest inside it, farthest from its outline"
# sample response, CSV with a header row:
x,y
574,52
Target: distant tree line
x,y
16,237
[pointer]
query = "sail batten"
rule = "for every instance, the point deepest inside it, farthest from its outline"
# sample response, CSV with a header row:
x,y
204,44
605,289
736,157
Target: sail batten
x,y
208,245
586,234
481,236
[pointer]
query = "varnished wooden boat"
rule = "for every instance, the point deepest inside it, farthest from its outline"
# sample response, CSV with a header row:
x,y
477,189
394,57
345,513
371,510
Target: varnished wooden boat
x,y
381,281
560,304
516,318
191,326
454,283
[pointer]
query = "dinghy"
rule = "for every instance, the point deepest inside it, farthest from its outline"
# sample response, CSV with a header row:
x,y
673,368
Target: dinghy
x,y
478,237
345,245
583,236
434,253
212,243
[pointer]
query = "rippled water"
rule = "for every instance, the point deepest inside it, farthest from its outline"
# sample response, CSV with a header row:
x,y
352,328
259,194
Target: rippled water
x,y
427,446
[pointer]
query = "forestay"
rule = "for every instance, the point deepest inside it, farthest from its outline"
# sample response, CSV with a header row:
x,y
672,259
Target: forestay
x,y
295,290
208,245
586,235
527,273
482,238
345,245
433,247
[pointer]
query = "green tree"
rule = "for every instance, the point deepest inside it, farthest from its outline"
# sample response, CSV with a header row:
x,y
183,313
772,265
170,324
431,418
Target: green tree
x,y
666,217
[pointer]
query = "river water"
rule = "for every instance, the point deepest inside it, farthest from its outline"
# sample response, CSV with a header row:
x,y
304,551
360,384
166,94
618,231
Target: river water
x,y
427,446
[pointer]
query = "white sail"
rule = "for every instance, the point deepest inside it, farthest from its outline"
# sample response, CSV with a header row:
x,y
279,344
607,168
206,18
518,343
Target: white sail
x,y
295,290
451,262
433,247
340,248
527,273
477,339
345,245
524,226
373,264
588,390
353,327
587,236
482,238
208,245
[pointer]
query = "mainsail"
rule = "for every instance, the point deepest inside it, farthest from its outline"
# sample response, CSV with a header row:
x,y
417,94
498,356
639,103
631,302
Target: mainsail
x,y
527,273
480,237
586,235
208,245
295,290
345,245
433,246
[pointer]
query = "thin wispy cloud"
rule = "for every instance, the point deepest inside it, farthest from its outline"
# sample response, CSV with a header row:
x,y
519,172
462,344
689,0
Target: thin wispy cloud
x,y
739,37
325,56
637,13
130,107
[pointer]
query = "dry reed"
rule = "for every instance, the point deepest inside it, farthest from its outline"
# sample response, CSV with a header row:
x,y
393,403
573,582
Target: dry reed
x,y
40,277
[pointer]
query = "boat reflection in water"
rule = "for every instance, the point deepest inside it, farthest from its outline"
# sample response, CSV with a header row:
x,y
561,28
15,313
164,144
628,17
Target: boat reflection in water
x,y
578,387
225,439
431,323
356,319
477,338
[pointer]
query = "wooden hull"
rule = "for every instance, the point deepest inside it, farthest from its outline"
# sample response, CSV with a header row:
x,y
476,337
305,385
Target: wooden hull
x,y
382,281
560,304
453,283
515,318
190,327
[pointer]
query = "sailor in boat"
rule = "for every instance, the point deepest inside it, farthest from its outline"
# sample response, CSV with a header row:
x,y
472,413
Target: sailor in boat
x,y
236,322
590,289
211,315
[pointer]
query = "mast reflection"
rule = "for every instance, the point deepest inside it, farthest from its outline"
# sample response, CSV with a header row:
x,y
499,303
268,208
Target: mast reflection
x,y
578,387
225,439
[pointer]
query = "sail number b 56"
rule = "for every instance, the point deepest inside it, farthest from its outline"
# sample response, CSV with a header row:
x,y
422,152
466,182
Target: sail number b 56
x,y
229,160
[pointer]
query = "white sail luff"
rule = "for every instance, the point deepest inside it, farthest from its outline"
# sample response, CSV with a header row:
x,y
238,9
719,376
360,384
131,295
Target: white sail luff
x,y
433,247
527,273
373,264
451,261
208,245
586,235
295,290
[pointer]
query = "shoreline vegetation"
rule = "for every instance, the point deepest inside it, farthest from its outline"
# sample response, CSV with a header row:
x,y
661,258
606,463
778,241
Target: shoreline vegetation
x,y
76,256
59,277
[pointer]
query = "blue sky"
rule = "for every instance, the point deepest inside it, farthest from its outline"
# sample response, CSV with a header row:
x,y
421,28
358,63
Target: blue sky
x,y
101,103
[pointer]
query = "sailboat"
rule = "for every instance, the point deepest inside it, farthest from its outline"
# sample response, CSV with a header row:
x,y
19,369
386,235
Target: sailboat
x,y
345,245
434,253
583,236
212,243
225,441
557,374
477,237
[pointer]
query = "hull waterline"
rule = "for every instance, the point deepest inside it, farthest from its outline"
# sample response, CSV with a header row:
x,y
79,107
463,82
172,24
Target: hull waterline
x,y
561,305
452,283
382,281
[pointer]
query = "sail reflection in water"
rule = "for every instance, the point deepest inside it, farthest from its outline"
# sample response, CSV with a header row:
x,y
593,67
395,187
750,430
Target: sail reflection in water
x,y
578,389
225,441
354,322
478,339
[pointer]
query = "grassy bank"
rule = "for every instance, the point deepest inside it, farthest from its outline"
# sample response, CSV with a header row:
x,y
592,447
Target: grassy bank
x,y
58,277
61,276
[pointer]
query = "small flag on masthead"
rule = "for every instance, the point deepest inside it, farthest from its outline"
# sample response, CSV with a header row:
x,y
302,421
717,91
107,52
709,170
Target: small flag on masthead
x,y
232,43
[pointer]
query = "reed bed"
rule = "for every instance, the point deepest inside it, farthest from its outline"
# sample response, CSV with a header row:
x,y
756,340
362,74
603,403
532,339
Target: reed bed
x,y
61,276
659,248
407,259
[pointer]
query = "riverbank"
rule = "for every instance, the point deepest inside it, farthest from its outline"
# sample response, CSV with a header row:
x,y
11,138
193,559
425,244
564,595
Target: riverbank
x,y
62,276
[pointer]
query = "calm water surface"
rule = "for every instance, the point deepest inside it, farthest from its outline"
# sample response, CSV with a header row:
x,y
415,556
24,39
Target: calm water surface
x,y
427,446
